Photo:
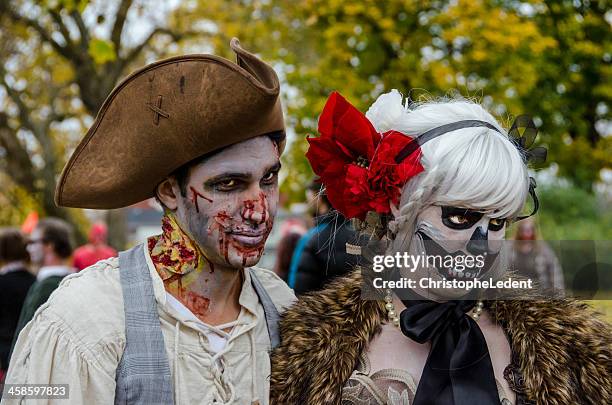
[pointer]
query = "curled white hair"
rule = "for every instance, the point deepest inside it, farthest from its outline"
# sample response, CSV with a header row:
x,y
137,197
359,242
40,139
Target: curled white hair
x,y
387,111
477,168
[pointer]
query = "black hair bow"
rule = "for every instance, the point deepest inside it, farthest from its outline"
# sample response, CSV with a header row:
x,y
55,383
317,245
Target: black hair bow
x,y
523,132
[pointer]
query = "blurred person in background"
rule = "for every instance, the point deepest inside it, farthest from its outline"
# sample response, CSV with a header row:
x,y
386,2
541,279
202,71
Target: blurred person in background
x,y
50,248
96,250
535,259
320,255
285,250
291,230
15,281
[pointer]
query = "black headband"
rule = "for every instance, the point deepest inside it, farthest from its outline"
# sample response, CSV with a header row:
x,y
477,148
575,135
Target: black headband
x,y
436,132
521,142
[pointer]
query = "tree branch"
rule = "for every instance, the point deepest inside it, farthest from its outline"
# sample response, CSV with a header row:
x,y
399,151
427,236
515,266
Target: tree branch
x,y
65,51
120,18
38,130
76,16
55,15
17,161
176,36
54,115
15,96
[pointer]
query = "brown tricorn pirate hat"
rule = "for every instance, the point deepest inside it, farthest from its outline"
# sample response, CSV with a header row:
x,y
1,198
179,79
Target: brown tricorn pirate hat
x,y
163,116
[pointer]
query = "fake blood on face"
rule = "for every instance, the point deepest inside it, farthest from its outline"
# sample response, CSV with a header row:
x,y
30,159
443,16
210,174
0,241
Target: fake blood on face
x,y
255,251
222,223
249,207
211,266
231,230
194,198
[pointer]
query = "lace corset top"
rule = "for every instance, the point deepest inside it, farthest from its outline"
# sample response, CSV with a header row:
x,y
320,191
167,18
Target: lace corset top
x,y
386,387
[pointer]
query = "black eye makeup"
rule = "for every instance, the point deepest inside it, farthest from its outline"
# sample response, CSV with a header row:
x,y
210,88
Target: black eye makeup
x,y
271,177
226,184
460,218
230,182
463,218
496,224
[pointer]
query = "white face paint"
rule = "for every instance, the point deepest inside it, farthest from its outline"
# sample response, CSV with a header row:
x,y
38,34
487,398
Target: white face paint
x,y
35,247
453,232
461,229
231,202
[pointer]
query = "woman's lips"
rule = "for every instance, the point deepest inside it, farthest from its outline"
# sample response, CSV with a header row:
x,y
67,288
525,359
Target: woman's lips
x,y
249,239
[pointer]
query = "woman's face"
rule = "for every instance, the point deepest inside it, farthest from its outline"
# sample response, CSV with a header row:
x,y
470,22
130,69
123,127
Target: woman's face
x,y
460,228
457,242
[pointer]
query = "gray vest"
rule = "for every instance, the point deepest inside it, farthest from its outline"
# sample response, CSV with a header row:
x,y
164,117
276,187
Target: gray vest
x,y
143,375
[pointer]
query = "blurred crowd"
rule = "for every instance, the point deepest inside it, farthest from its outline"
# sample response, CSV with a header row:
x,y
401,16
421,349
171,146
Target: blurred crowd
x,y
32,264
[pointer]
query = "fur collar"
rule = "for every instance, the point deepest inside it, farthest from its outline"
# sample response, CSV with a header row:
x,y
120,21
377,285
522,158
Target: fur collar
x,y
562,350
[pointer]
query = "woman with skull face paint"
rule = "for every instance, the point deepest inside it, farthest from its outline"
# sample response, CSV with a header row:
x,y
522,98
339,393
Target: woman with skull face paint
x,y
441,178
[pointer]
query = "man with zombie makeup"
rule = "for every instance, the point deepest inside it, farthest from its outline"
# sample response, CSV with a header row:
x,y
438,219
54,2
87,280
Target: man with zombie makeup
x,y
183,318
439,178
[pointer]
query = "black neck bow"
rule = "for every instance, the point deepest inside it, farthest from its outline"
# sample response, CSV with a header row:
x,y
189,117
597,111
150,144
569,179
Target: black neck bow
x,y
458,370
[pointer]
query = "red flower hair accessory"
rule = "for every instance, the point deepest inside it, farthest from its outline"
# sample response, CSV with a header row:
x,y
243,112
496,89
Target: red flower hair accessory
x,y
357,164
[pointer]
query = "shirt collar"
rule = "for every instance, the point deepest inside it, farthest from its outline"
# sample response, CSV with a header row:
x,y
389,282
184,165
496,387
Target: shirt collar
x,y
12,266
248,296
49,271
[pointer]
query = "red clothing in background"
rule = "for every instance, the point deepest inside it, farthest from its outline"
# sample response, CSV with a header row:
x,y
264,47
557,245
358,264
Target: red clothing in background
x,y
89,254
95,250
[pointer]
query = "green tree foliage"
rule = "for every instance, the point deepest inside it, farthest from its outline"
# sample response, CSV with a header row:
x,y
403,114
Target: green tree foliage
x,y
546,58
550,59
573,214
58,66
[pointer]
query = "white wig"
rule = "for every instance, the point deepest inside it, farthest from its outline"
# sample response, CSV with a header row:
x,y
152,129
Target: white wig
x,y
477,167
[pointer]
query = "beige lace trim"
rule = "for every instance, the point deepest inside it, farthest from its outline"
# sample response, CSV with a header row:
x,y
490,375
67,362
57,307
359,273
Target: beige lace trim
x,y
386,387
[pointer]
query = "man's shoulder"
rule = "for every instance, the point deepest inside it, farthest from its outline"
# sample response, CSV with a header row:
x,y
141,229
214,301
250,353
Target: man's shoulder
x,y
17,277
97,280
91,301
279,291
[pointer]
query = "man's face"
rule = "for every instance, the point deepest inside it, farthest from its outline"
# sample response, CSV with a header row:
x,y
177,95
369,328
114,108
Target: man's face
x,y
231,201
36,247
526,231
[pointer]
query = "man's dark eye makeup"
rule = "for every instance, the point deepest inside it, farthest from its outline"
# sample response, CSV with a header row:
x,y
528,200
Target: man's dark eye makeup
x,y
221,181
471,217
271,174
